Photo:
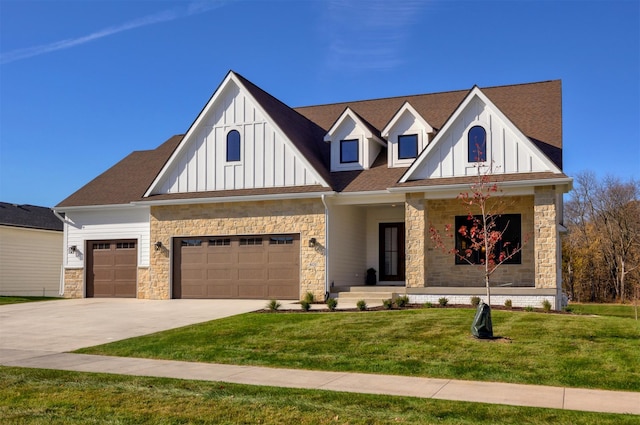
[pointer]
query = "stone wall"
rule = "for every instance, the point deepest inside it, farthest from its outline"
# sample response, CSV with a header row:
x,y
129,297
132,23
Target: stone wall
x,y
546,238
415,237
305,217
74,283
441,267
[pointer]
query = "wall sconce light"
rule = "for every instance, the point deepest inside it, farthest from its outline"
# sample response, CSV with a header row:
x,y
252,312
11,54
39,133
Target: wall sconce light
x,y
312,242
158,245
73,249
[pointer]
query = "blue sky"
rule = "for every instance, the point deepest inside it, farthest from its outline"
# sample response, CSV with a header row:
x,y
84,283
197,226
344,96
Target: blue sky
x,y
84,83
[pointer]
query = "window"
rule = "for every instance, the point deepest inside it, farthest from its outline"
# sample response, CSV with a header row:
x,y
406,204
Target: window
x,y
191,242
125,245
511,239
281,240
477,139
220,242
251,241
101,246
407,146
348,151
233,146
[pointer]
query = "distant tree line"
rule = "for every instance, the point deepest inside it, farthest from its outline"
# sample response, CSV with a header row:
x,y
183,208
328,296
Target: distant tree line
x,y
601,250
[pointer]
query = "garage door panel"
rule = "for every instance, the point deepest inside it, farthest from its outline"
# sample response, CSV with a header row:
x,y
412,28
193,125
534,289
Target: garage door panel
x,y
256,267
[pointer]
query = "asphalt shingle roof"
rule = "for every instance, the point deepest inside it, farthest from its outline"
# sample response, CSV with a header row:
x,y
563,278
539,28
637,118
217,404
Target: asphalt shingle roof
x,y
29,216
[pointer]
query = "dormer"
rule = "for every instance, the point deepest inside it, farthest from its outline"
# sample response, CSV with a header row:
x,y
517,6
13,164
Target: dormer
x,y
407,135
355,143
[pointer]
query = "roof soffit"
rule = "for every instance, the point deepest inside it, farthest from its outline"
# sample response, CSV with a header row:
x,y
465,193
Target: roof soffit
x,y
474,93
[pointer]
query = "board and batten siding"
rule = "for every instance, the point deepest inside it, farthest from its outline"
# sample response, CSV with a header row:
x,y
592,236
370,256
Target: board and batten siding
x,y
30,262
108,224
508,153
267,160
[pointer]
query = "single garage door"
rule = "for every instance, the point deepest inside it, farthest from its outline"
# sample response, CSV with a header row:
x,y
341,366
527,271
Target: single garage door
x,y
250,267
112,268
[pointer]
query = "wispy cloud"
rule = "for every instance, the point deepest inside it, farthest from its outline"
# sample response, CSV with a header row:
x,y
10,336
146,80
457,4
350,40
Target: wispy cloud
x,y
193,8
369,35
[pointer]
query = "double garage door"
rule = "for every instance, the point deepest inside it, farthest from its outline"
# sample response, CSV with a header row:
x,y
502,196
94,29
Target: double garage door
x,y
251,267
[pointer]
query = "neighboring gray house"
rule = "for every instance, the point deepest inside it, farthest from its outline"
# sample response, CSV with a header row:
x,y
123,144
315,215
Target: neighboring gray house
x,y
30,257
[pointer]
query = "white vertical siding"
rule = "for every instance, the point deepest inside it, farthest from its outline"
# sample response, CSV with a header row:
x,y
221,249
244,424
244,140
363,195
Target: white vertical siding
x,y
507,152
30,262
267,160
121,223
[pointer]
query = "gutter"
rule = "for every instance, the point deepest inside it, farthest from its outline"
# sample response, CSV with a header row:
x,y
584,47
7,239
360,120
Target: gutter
x,y
222,199
64,244
520,183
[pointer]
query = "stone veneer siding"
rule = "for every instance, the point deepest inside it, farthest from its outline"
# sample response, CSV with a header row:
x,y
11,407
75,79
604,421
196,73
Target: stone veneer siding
x,y
305,217
415,237
546,238
74,283
441,268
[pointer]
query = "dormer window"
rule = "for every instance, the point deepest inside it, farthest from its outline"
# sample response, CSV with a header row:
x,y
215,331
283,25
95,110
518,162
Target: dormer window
x,y
233,146
477,141
348,151
407,146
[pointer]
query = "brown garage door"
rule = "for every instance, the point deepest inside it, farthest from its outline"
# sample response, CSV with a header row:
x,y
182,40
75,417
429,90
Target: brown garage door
x,y
112,268
252,267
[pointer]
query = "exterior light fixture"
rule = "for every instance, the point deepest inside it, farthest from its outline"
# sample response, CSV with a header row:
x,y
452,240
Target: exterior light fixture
x,y
312,242
73,249
158,245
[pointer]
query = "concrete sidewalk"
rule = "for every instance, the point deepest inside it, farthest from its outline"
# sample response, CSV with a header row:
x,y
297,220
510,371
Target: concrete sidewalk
x,y
445,389
40,335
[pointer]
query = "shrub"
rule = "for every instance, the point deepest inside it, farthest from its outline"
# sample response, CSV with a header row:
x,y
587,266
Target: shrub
x,y
508,304
273,305
443,301
362,305
402,301
475,301
546,306
308,297
428,304
306,305
387,304
528,308
332,303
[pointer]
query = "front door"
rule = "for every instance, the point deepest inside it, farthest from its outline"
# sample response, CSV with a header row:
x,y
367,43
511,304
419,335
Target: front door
x,y
392,251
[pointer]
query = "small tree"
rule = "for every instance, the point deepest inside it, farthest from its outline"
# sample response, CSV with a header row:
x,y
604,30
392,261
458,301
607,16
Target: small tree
x,y
485,236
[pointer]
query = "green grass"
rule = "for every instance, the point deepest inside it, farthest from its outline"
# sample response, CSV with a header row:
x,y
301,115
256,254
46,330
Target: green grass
x,y
545,349
17,300
613,310
32,396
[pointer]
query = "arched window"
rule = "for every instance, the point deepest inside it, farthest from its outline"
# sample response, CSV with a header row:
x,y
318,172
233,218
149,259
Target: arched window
x,y
477,138
233,146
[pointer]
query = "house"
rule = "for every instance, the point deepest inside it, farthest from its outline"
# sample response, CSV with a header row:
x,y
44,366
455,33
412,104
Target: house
x,y
261,200
30,257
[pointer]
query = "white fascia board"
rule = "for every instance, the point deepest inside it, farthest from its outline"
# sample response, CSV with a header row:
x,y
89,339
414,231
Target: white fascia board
x,y
94,207
406,107
364,198
512,188
476,92
176,153
221,199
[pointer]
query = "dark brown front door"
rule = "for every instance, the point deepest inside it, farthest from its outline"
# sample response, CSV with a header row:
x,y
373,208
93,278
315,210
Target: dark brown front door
x,y
250,267
392,251
112,268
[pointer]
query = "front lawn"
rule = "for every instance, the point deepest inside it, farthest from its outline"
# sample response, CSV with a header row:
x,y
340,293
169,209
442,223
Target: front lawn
x,y
615,310
32,396
17,300
538,348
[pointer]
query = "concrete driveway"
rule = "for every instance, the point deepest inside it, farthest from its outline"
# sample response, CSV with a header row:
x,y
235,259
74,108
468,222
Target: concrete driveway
x,y
47,327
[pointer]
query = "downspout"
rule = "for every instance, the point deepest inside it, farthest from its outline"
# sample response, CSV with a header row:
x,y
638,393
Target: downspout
x,y
326,247
64,244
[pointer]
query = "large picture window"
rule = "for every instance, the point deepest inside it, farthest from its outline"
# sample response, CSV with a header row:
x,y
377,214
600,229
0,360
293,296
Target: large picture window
x,y
407,146
509,224
348,151
477,139
233,146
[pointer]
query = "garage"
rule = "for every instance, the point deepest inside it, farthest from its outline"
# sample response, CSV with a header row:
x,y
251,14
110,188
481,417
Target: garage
x,y
245,267
112,268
